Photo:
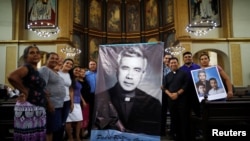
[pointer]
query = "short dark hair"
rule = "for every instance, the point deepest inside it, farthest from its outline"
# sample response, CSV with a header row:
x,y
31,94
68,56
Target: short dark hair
x,y
204,54
213,79
173,58
68,59
187,52
49,54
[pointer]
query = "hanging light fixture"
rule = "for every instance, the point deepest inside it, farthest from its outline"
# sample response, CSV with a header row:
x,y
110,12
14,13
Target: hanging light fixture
x,y
42,31
202,27
175,49
70,51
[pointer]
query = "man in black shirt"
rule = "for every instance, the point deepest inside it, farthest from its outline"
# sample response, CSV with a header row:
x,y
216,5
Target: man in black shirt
x,y
176,83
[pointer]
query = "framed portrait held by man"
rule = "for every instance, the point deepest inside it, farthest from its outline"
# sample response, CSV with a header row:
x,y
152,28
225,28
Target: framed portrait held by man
x,y
208,83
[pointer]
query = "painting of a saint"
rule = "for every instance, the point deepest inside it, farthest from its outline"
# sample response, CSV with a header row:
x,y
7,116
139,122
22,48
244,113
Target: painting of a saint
x,y
93,48
169,11
39,11
95,14
114,18
133,18
77,12
151,14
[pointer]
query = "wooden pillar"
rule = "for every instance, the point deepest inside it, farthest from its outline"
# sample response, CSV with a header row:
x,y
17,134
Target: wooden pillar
x,y
181,17
65,19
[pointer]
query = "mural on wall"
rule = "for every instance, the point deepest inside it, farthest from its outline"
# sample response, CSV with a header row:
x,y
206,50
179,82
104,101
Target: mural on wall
x,y
78,12
39,12
77,44
114,17
204,10
93,48
133,17
168,12
95,16
151,14
170,39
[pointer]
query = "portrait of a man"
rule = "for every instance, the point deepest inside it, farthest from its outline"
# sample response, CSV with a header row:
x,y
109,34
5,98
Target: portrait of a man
x,y
126,106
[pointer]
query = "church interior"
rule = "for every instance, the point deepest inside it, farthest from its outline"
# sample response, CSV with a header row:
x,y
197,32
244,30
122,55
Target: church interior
x,y
75,28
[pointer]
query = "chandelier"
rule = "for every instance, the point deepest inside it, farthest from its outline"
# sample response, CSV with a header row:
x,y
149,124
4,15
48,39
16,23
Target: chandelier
x,y
70,51
175,49
43,29
202,27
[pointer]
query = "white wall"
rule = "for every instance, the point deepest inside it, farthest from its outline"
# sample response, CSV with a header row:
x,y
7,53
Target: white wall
x,y
245,52
241,18
5,20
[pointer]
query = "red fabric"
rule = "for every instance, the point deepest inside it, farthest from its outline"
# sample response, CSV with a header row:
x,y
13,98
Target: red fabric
x,y
85,114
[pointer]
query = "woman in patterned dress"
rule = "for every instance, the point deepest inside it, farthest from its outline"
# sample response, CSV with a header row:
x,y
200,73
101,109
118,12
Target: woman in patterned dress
x,y
30,108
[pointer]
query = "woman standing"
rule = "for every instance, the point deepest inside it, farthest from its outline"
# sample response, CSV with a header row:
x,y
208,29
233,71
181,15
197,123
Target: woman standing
x,y
68,104
30,112
76,114
85,91
204,63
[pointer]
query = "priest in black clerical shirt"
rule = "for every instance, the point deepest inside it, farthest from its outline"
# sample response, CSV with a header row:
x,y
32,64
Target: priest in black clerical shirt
x,y
175,87
128,109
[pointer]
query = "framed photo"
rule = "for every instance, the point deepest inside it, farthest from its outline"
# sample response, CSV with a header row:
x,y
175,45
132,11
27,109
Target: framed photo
x,y
204,10
41,14
208,83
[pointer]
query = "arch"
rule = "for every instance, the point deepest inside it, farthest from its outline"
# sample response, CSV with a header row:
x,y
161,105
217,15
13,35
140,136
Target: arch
x,y
222,58
42,61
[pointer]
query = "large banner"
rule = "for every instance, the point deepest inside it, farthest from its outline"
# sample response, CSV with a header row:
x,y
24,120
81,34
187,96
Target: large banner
x,y
128,92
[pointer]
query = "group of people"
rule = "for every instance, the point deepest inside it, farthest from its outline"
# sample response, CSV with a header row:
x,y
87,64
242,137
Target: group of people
x,y
59,94
53,100
181,94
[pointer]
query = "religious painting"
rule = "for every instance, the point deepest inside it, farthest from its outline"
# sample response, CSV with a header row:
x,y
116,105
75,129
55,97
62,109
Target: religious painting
x,y
78,12
41,14
208,84
170,39
151,14
77,41
114,17
168,11
95,14
204,10
94,43
133,16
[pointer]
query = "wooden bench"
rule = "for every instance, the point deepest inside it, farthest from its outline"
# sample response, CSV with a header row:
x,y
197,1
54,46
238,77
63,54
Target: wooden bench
x,y
7,119
222,116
